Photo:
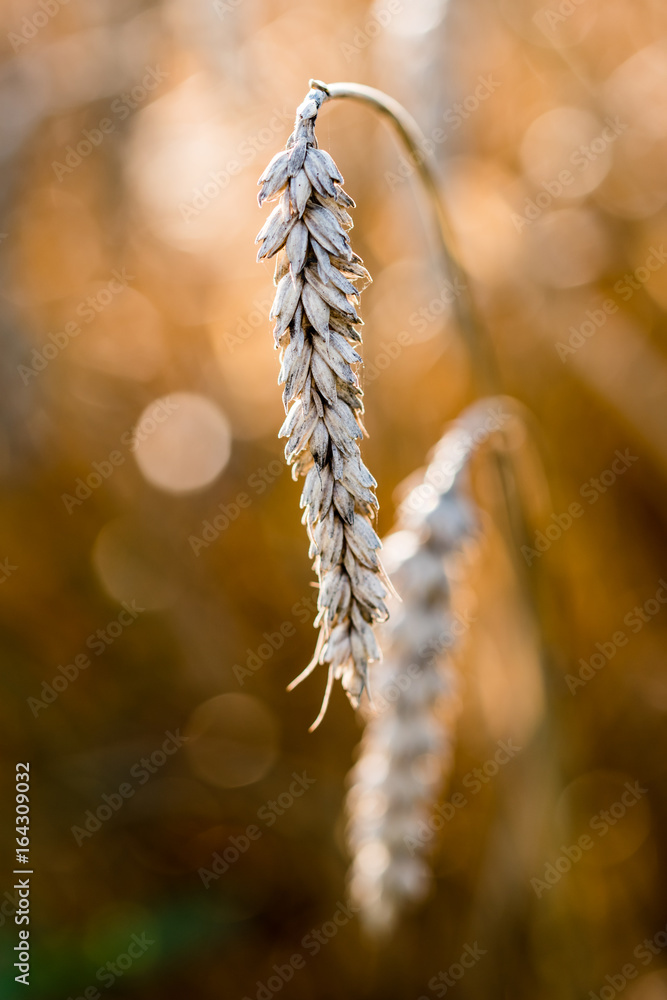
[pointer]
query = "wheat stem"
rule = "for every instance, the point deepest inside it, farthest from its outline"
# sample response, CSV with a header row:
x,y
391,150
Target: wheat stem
x,y
484,362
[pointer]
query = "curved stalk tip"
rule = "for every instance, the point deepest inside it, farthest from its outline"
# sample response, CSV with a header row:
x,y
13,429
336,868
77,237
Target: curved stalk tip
x,y
480,348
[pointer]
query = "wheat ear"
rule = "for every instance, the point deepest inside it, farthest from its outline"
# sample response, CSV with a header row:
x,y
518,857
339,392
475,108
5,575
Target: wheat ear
x,y
405,751
316,326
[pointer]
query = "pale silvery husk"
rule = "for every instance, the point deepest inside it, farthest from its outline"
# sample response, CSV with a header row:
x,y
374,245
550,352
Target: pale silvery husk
x,y
316,326
404,754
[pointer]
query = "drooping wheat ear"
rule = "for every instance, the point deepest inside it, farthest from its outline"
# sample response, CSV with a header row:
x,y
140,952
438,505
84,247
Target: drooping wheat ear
x,y
405,750
316,324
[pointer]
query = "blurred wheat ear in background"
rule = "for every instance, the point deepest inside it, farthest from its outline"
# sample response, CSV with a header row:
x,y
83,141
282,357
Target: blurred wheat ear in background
x,y
316,324
405,752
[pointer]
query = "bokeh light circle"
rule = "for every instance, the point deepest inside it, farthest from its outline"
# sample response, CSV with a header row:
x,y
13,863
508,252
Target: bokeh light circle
x,y
567,150
612,809
232,740
566,248
129,567
182,442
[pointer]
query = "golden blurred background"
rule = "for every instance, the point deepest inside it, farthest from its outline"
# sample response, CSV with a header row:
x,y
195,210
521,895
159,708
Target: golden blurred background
x,y
156,590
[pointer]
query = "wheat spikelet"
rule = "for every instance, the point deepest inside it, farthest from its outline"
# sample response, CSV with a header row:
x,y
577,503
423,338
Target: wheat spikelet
x,y
404,756
316,326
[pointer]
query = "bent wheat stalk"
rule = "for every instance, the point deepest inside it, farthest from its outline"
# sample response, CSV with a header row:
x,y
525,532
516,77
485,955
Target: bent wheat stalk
x,y
487,379
316,328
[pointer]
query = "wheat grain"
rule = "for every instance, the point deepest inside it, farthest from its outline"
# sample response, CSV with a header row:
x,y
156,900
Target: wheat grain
x,y
316,326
